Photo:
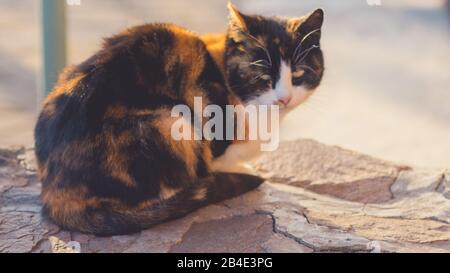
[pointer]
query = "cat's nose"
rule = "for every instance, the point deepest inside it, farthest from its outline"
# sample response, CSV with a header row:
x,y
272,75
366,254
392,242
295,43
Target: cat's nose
x,y
285,101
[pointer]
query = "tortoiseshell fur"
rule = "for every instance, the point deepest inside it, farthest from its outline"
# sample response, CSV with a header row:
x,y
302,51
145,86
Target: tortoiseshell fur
x,y
106,159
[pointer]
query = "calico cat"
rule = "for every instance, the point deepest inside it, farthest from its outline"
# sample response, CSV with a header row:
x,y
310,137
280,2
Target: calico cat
x,y
106,158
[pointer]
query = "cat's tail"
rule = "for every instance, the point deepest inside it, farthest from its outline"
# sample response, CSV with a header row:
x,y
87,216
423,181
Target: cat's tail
x,y
106,221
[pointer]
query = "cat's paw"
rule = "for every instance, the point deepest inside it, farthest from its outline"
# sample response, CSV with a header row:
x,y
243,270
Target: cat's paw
x,y
243,168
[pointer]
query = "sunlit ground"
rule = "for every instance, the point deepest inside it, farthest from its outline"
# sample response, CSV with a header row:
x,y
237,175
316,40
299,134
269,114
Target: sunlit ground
x,y
385,93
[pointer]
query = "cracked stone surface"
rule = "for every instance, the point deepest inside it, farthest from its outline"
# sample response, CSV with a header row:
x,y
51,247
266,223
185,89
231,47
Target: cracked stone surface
x,y
317,198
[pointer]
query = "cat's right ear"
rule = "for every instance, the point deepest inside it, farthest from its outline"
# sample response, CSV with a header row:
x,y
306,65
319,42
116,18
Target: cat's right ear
x,y
236,18
237,23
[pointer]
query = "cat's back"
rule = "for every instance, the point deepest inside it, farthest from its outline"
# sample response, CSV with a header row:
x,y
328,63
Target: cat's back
x,y
143,60
143,67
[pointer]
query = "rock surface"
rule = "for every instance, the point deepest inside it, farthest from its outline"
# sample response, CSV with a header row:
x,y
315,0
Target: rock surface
x,y
317,198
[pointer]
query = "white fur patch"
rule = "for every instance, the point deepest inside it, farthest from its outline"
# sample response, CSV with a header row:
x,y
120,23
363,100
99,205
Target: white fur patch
x,y
234,158
284,90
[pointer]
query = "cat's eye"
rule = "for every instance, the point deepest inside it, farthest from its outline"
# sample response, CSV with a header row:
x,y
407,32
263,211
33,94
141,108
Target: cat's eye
x,y
298,73
298,77
298,81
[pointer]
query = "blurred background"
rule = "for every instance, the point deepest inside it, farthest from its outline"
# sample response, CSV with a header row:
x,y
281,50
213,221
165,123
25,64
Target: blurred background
x,y
386,90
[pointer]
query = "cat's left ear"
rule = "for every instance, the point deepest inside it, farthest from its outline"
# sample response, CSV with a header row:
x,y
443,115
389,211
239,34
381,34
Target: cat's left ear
x,y
312,23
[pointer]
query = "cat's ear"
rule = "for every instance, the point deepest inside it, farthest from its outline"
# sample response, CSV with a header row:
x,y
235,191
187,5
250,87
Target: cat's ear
x,y
236,18
238,24
313,21
310,23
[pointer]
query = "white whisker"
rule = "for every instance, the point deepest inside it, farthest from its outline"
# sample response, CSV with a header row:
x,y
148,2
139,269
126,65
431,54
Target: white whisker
x,y
309,34
304,66
259,45
298,49
304,54
260,63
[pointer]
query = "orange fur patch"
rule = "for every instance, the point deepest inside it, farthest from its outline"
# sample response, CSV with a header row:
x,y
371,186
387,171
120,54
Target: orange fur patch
x,y
167,192
215,43
64,87
116,162
64,203
184,149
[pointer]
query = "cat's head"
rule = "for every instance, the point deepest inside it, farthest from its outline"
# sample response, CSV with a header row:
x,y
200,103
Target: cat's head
x,y
271,60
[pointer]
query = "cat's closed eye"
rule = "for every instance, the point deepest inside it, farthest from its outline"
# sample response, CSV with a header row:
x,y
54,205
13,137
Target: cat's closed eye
x,y
263,82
